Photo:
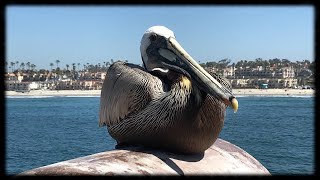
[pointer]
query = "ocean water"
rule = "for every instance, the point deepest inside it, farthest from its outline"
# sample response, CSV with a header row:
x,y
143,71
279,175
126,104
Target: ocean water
x,y
278,131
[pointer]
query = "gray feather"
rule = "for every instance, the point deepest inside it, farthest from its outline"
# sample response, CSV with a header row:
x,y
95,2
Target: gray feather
x,y
126,89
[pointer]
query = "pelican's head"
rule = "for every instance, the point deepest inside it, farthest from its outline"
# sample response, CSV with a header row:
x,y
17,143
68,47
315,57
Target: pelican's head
x,y
161,52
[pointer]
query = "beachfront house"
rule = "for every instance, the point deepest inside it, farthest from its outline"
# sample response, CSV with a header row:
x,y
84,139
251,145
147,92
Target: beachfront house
x,y
272,82
21,86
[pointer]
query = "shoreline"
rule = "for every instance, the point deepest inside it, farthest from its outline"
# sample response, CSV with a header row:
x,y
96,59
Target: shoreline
x,y
274,92
236,92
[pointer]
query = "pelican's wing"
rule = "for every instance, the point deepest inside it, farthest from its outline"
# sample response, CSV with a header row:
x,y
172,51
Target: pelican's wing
x,y
126,90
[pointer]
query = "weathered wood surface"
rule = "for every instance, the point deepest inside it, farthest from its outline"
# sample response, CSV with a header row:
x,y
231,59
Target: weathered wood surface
x,y
222,158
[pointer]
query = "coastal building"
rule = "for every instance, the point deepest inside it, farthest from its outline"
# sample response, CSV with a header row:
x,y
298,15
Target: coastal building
x,y
48,84
228,72
243,73
21,86
91,76
79,85
16,86
239,83
34,86
266,72
85,81
271,82
13,77
288,72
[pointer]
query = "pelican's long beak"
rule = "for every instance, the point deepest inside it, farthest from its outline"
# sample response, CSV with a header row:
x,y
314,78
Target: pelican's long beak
x,y
175,53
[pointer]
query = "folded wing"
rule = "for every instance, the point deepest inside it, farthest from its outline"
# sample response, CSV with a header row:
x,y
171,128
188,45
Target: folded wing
x,y
127,89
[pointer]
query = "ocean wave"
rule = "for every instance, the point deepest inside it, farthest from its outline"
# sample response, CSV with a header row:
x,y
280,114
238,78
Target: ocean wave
x,y
301,96
68,96
261,95
84,96
29,96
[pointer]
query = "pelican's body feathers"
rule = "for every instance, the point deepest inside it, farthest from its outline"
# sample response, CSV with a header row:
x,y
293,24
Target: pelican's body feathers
x,y
171,102
137,109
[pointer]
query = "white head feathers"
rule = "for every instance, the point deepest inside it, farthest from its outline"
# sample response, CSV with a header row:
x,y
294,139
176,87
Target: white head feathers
x,y
145,41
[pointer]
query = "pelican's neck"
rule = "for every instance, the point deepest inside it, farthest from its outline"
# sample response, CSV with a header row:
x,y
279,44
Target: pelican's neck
x,y
183,88
182,84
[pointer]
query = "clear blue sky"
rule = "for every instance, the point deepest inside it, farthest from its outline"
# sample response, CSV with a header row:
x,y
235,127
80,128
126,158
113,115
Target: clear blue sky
x,y
72,34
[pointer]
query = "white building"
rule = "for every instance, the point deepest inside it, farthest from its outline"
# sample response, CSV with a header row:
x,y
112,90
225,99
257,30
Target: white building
x,y
34,86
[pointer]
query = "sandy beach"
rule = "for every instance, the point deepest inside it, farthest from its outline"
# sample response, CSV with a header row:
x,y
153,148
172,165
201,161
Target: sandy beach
x,y
237,92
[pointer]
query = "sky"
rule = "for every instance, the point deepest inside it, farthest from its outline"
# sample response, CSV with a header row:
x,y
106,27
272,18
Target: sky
x,y
95,34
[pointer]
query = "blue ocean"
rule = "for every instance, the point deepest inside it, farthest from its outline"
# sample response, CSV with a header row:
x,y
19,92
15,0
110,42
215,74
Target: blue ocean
x,y
278,131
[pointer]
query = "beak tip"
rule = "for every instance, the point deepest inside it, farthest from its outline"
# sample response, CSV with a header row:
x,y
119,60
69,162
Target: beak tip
x,y
234,104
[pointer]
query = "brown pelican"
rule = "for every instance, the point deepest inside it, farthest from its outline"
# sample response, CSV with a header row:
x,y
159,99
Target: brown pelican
x,y
171,103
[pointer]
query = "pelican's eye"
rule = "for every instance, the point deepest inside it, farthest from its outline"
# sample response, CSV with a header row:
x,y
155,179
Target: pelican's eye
x,y
153,37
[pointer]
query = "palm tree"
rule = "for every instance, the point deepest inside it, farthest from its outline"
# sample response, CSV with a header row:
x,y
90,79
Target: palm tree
x,y
96,68
17,64
51,64
33,67
12,65
28,64
22,65
78,66
73,69
57,61
67,65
